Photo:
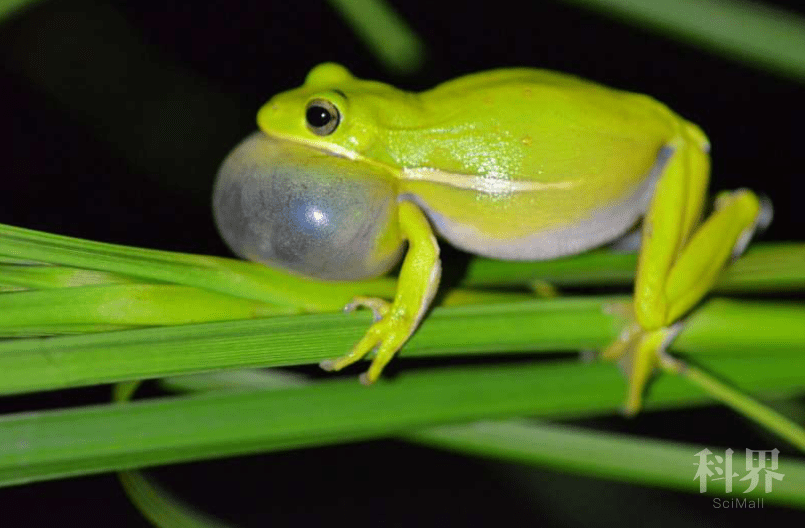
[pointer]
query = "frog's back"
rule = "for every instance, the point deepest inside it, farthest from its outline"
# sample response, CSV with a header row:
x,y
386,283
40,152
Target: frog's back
x,y
526,164
535,100
502,76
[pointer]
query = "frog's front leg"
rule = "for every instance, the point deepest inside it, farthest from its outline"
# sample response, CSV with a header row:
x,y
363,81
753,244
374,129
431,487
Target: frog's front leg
x,y
680,259
416,286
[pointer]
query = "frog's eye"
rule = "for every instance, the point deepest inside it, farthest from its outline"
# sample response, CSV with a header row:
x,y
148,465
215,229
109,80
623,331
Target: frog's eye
x,y
322,117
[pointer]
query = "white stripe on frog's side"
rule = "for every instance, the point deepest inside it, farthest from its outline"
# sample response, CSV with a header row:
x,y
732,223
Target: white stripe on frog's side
x,y
485,184
602,226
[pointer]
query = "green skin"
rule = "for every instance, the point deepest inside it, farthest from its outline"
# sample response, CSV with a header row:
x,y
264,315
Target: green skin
x,y
528,164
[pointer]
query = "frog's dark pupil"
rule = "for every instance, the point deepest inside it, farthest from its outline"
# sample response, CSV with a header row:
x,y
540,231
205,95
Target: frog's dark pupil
x,y
318,116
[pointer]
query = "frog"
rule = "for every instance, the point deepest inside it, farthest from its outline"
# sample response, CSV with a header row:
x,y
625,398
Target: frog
x,y
510,163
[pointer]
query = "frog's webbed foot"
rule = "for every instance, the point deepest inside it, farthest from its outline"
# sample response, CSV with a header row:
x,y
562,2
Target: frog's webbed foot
x,y
391,329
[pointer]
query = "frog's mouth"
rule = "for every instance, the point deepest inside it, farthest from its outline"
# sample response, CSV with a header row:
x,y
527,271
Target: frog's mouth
x,y
325,148
336,151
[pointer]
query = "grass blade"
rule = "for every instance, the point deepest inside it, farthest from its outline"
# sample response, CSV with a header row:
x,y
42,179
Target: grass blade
x,y
761,35
384,32
595,453
73,310
52,444
160,507
548,325
764,267
229,276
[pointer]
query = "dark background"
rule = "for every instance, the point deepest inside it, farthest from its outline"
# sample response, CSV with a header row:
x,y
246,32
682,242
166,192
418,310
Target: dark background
x,y
116,115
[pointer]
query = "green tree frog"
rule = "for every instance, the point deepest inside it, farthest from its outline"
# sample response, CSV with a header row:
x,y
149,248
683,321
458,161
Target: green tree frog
x,y
511,164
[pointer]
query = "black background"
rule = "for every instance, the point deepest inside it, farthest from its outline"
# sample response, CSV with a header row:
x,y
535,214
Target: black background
x,y
116,115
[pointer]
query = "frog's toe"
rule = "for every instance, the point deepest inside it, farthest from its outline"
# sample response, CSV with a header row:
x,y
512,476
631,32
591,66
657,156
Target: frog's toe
x,y
361,349
330,365
379,307
334,365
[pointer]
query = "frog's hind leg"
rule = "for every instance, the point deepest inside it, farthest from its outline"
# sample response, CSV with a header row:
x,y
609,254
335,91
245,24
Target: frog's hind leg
x,y
721,237
680,259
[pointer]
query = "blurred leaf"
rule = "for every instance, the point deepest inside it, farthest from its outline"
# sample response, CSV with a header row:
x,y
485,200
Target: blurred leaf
x,y
387,35
752,32
60,443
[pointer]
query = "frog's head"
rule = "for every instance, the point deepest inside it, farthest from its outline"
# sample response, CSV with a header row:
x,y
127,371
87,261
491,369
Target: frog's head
x,y
333,111
314,211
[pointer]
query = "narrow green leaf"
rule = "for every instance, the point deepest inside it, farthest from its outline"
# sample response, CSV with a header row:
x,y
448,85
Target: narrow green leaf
x,y
47,276
387,35
599,454
68,361
761,35
53,311
764,267
742,403
543,325
52,444
731,327
160,507
10,7
233,277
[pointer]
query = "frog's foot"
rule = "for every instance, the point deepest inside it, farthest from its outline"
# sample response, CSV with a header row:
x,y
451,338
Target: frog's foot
x,y
639,353
391,329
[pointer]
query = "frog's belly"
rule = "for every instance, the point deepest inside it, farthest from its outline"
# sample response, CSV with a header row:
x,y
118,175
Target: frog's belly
x,y
534,224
